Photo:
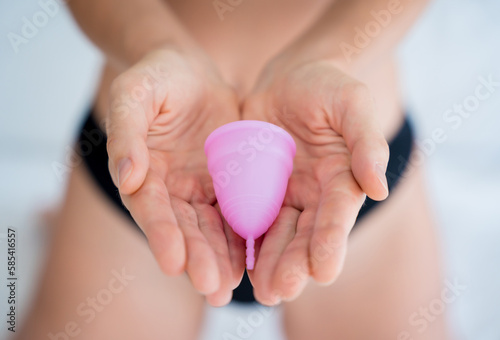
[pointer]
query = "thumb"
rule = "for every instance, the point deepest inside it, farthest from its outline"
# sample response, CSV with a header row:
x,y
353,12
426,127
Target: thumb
x,y
128,161
127,128
367,144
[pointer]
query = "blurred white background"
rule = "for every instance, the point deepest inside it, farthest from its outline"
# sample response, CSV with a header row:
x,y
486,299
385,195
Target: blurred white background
x,y
47,85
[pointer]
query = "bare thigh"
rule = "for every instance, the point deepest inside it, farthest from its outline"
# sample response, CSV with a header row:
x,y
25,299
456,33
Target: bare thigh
x,y
101,282
392,269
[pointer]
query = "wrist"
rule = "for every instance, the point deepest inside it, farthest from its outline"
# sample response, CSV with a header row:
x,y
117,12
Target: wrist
x,y
299,55
151,37
169,54
294,59
187,66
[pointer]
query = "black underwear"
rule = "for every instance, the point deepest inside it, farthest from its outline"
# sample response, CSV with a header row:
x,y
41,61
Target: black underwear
x,y
92,146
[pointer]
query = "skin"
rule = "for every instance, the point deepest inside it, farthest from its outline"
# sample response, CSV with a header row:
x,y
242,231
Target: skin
x,y
160,167
295,78
322,105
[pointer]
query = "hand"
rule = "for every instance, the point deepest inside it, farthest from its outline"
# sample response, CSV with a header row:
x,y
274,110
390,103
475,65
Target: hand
x,y
341,155
162,110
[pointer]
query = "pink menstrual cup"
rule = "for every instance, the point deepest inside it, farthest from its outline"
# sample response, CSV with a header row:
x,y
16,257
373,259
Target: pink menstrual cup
x,y
250,163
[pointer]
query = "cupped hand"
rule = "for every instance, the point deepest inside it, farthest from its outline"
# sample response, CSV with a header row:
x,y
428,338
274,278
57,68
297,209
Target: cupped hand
x,y
341,157
162,110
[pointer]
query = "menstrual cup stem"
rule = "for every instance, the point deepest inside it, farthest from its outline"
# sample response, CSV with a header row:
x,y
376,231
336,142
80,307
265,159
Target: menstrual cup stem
x,y
250,253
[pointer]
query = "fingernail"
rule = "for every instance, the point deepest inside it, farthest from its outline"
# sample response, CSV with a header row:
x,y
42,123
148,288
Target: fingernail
x,y
380,170
276,297
124,170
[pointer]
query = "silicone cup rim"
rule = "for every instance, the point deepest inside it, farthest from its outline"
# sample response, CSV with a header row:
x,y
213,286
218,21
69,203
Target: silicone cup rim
x,y
246,124
250,124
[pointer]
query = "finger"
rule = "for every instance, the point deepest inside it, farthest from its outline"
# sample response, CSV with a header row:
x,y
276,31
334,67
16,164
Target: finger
x,y
127,128
211,227
292,271
236,247
201,263
365,140
341,199
151,208
275,241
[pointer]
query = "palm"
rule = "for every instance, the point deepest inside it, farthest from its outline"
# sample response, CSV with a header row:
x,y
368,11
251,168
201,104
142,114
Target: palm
x,y
170,193
323,197
177,155
319,159
321,179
